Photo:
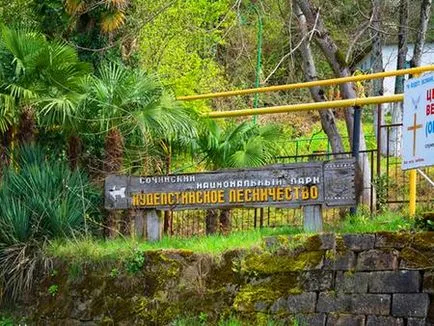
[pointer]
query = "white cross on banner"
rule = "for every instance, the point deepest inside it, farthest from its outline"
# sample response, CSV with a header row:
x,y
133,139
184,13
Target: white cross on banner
x,y
418,123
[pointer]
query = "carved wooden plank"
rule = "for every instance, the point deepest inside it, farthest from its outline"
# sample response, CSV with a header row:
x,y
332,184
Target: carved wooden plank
x,y
282,185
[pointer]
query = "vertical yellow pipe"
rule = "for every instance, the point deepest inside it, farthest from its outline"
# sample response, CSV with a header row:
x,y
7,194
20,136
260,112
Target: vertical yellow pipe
x,y
412,195
412,186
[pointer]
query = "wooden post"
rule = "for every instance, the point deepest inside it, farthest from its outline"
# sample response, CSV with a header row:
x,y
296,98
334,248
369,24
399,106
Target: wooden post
x,y
312,216
139,224
153,225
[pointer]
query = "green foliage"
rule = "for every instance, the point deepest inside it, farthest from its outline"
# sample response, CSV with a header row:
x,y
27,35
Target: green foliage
x,y
364,223
45,75
121,249
6,321
53,289
40,199
135,262
381,184
238,145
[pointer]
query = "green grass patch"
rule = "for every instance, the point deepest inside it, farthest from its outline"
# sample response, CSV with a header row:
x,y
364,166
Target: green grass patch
x,y
361,223
91,249
98,249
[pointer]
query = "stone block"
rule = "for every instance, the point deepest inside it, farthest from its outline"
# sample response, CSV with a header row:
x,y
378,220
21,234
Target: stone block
x,y
392,240
416,322
321,241
318,280
375,304
345,320
413,258
333,302
384,321
410,305
279,306
271,242
350,282
423,241
339,260
377,260
370,304
299,303
309,319
394,282
358,242
428,282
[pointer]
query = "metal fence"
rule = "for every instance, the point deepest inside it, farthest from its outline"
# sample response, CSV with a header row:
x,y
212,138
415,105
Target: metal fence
x,y
388,189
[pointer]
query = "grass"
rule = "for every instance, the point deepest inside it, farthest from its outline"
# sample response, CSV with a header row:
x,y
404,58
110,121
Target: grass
x,y
91,249
98,249
389,221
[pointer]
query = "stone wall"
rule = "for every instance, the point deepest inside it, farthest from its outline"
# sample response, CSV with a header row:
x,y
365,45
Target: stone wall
x,y
327,279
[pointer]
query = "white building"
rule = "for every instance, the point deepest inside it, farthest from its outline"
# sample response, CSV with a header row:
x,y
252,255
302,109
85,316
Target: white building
x,y
390,57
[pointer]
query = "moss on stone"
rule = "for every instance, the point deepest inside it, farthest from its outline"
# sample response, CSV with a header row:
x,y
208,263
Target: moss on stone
x,y
424,240
413,258
340,244
267,263
267,292
393,239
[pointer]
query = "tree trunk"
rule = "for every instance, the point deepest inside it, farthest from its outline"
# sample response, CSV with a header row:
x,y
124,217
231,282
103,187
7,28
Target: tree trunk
x,y
425,11
225,221
74,151
395,137
336,59
26,126
167,216
211,221
377,66
114,150
328,121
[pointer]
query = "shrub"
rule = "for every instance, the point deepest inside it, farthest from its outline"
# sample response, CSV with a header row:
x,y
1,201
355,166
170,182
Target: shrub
x,y
40,199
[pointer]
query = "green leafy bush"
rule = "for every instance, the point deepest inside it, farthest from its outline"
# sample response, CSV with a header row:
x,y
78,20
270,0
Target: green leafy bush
x,y
40,199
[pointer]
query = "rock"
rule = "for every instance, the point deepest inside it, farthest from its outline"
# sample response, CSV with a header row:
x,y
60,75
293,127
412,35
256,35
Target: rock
x,y
304,302
384,321
377,260
310,319
416,259
359,242
392,240
410,305
376,304
394,282
339,260
317,280
428,282
333,302
350,282
423,241
345,320
416,322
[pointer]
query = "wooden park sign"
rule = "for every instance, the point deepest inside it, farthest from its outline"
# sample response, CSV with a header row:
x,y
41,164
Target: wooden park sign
x,y
328,183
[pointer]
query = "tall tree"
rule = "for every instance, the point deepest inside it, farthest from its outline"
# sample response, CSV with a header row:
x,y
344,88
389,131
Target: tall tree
x,y
40,83
395,138
125,101
377,66
336,60
425,11
328,121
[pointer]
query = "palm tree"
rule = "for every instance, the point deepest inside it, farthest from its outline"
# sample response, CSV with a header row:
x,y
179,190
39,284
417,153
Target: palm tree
x,y
129,102
243,145
108,14
40,81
